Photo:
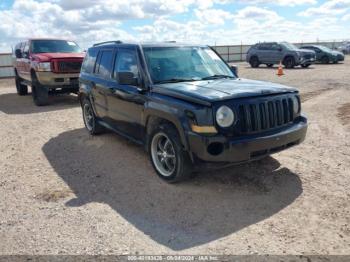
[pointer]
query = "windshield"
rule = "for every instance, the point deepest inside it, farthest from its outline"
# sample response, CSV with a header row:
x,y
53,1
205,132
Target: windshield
x,y
324,48
54,46
170,64
289,46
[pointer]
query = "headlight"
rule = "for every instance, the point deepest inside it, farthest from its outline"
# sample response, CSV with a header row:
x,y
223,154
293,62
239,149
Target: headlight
x,y
225,116
296,105
45,67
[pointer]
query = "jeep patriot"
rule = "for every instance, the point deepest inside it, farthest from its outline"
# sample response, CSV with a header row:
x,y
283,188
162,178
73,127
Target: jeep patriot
x,y
186,106
47,65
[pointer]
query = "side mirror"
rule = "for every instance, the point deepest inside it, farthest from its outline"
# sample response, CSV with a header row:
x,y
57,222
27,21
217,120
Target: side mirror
x,y
18,53
234,70
127,78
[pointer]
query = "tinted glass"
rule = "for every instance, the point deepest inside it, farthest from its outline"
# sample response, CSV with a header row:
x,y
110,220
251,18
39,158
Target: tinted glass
x,y
54,46
105,63
185,63
289,46
275,47
126,62
89,61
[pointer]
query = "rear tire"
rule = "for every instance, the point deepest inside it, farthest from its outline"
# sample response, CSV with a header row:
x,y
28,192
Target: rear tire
x,y
170,161
22,90
90,119
254,62
325,60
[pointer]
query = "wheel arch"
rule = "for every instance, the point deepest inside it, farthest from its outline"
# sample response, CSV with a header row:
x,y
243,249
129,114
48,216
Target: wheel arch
x,y
153,118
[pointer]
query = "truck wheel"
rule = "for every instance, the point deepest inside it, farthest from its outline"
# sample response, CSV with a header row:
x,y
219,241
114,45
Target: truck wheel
x,y
289,62
168,158
22,90
325,60
40,95
90,119
254,62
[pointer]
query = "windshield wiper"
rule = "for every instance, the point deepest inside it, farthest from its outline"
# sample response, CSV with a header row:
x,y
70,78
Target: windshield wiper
x,y
216,77
174,80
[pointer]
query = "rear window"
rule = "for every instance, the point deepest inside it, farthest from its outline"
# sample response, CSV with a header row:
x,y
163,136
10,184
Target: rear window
x,y
89,61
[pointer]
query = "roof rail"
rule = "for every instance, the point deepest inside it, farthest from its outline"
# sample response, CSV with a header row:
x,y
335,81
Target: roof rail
x,y
108,42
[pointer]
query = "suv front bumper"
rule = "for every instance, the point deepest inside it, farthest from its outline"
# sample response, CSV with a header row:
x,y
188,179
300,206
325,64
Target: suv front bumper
x,y
246,149
307,61
50,79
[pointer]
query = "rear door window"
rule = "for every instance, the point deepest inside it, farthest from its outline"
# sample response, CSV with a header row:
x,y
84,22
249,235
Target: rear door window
x,y
26,50
104,66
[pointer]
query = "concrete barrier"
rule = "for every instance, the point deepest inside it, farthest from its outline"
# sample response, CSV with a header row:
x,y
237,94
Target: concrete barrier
x,y
6,68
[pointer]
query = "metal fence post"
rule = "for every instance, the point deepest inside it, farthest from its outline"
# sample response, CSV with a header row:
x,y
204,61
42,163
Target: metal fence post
x,y
241,51
228,54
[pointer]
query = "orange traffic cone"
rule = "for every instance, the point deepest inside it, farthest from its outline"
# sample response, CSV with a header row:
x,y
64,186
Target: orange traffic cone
x,y
280,70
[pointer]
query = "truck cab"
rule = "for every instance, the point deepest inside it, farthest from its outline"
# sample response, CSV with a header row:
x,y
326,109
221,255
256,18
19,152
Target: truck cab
x,y
47,65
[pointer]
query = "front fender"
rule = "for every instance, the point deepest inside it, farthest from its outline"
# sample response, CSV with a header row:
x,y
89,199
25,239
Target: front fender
x,y
172,114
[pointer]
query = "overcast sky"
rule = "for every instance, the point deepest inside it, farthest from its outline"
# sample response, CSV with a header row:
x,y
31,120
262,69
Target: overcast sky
x,y
196,21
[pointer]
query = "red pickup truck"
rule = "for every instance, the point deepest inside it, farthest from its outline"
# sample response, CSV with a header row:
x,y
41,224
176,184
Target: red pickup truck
x,y
49,66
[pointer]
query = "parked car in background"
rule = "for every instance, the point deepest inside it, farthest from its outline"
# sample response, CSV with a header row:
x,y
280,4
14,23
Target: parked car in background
x,y
274,53
48,66
186,106
324,54
345,48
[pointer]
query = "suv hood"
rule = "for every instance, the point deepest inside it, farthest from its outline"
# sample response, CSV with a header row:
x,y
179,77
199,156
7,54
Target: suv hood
x,y
306,52
221,89
336,53
46,57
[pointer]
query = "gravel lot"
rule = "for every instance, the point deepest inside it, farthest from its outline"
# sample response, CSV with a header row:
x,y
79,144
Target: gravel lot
x,y
65,192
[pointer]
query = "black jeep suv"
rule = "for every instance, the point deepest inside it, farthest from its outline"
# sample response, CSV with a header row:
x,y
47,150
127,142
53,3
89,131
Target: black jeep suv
x,y
186,106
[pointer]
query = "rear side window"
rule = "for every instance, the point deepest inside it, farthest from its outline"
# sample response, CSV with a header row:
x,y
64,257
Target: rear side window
x,y
26,50
104,66
89,61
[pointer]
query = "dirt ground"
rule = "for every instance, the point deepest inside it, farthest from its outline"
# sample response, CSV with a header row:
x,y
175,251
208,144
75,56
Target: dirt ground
x,y
65,192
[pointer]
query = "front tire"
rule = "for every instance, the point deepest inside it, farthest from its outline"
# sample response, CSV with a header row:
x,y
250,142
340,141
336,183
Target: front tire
x,y
90,119
289,62
39,93
167,155
22,90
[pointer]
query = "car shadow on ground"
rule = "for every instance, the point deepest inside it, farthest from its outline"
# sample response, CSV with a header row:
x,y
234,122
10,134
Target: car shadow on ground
x,y
12,103
109,169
